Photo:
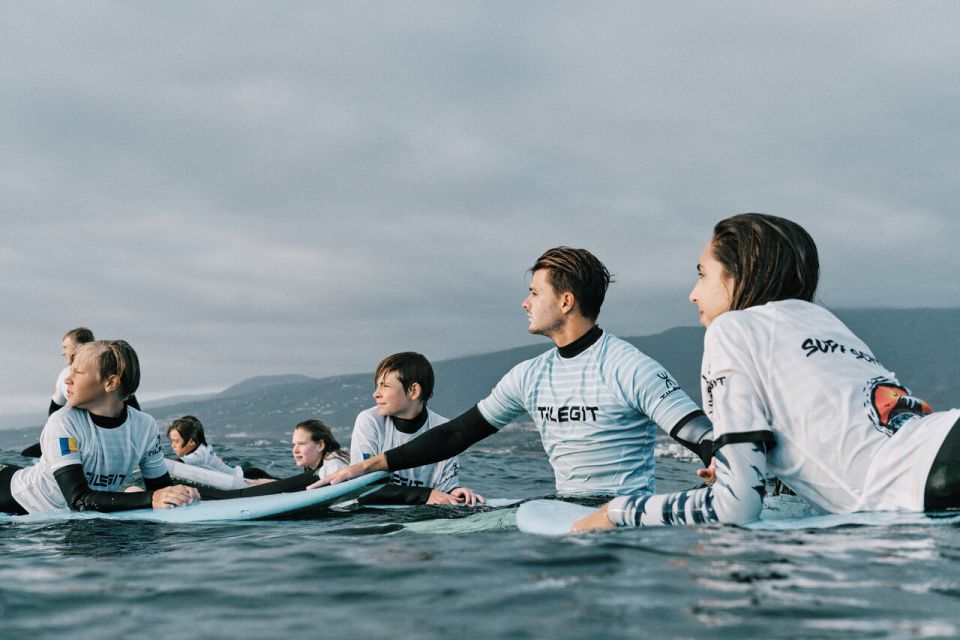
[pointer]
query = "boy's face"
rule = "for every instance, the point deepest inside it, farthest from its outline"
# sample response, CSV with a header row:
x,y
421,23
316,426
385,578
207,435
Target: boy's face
x,y
84,386
392,400
69,346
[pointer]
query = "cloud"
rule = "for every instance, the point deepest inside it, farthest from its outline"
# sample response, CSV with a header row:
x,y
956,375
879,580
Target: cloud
x,y
305,188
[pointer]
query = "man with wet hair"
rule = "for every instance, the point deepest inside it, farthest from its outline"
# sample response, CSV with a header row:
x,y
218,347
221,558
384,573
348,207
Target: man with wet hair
x,y
595,399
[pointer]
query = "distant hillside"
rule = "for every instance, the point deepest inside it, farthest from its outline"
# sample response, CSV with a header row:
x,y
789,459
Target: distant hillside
x,y
921,346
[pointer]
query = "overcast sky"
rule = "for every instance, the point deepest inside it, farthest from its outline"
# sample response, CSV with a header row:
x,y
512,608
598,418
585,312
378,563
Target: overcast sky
x,y
242,189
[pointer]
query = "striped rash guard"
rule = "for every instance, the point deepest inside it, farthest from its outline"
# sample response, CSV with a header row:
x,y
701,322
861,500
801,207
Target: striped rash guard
x,y
597,404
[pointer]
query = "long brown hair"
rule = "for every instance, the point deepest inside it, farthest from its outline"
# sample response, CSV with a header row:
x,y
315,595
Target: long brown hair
x,y
770,258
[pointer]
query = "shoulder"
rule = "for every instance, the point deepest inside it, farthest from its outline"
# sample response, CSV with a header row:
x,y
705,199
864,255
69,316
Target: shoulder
x,y
67,416
139,418
435,419
536,361
369,418
618,357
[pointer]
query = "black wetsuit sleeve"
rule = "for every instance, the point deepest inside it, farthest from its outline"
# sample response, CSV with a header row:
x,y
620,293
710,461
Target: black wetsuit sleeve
x,y
441,442
695,432
33,451
53,408
286,485
80,497
397,494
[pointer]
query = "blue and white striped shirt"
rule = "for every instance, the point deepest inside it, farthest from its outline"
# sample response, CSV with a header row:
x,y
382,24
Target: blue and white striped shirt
x,y
597,414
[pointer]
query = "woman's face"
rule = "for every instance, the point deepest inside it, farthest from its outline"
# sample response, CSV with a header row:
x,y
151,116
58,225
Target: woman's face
x,y
713,293
307,453
181,448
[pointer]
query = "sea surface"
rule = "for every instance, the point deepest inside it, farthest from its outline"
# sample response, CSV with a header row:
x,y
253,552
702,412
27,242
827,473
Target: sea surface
x,y
453,573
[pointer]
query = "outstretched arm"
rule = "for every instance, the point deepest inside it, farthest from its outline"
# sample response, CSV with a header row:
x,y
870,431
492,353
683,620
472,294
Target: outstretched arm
x,y
735,498
437,444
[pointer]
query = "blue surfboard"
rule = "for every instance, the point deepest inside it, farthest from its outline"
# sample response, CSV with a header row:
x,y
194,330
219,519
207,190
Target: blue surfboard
x,y
253,508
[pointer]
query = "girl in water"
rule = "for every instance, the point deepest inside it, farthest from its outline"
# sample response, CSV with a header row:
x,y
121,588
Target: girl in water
x,y
91,448
792,391
189,444
315,450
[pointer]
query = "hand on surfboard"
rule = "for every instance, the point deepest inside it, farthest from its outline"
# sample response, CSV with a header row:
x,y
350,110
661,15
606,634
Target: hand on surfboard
x,y
175,496
376,463
460,495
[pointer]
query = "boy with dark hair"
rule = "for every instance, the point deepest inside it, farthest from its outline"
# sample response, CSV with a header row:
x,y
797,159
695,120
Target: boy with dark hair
x,y
404,384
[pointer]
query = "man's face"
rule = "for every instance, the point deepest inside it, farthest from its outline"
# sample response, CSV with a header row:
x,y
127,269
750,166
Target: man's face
x,y
542,305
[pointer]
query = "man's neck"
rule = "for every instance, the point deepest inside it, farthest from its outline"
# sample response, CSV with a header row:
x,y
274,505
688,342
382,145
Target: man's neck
x,y
571,331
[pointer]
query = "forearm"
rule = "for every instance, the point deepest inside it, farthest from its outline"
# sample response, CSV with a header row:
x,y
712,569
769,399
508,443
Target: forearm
x,y
80,497
437,444
285,485
735,498
397,494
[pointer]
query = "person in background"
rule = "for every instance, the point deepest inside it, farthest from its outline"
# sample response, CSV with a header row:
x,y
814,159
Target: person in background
x,y
316,450
189,444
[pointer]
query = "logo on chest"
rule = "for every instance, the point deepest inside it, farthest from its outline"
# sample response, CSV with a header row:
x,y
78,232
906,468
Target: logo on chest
x,y
576,413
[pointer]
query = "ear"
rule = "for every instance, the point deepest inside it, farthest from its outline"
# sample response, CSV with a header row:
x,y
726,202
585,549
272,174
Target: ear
x,y
567,301
112,383
414,391
322,445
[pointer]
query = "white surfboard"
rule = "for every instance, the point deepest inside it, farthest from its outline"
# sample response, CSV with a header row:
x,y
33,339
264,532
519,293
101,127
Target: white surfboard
x,y
491,503
202,476
555,517
253,508
550,517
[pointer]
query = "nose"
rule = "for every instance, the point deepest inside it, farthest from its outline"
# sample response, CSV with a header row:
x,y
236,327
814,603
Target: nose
x,y
693,294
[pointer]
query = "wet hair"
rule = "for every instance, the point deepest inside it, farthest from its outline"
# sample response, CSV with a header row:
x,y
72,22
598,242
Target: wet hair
x,y
319,431
410,367
189,428
114,358
80,335
576,271
769,259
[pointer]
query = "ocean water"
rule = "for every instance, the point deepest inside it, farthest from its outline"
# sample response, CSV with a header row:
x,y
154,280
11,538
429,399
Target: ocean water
x,y
451,573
